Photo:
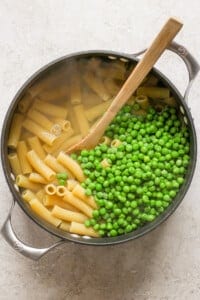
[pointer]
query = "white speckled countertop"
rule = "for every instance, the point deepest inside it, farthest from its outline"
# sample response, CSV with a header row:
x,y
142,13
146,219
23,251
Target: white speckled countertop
x,y
163,265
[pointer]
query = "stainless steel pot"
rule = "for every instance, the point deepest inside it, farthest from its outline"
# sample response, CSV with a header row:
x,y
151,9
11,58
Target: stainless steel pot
x,y
35,253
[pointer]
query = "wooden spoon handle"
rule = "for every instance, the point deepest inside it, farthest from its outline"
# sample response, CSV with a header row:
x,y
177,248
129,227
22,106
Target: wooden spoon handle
x,y
166,35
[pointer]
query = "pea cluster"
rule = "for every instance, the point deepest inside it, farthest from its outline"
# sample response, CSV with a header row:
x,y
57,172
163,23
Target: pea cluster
x,y
62,178
145,171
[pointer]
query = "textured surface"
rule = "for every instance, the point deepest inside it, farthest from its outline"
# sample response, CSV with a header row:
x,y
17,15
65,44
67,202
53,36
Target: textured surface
x,y
165,264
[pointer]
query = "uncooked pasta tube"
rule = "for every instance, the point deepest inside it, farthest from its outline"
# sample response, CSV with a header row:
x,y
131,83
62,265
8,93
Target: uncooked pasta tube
x,y
40,119
60,190
79,192
52,200
65,226
96,111
43,212
14,163
28,195
40,132
67,215
142,101
23,181
96,84
79,204
82,230
50,189
15,130
72,165
35,177
50,109
35,145
59,141
81,119
22,150
153,92
40,166
25,102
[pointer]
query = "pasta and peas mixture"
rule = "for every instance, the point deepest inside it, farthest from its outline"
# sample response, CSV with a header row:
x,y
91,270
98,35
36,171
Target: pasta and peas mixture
x,y
127,180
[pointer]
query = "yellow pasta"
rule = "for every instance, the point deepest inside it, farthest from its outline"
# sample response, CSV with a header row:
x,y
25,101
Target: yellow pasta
x,y
40,119
82,230
79,192
64,124
50,189
52,162
115,143
25,135
105,140
68,215
131,100
72,165
79,204
35,177
41,194
52,200
68,143
150,81
28,195
81,119
65,226
24,103
114,71
71,183
105,163
170,101
40,166
43,212
153,92
50,109
54,93
90,98
72,119
97,110
112,87
15,130
24,182
60,190
96,84
140,112
24,163
59,141
34,144
142,101
46,136
14,163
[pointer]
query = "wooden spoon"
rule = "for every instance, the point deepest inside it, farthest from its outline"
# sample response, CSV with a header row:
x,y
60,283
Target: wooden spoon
x,y
160,43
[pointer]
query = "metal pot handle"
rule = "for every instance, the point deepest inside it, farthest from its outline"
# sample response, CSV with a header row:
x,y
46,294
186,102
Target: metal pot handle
x,y
10,236
192,65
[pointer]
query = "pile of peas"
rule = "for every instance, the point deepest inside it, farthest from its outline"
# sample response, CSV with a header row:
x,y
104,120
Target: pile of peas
x,y
145,173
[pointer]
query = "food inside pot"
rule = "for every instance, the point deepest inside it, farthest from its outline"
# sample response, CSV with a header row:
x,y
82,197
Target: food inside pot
x,y
128,179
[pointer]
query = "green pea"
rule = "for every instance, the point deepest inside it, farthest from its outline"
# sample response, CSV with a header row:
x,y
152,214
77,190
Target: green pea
x,y
113,233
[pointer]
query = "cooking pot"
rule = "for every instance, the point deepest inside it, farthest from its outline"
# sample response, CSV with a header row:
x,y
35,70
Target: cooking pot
x,y
35,253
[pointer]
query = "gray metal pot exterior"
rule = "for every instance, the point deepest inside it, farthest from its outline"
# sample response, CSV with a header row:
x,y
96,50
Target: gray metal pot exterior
x,y
34,253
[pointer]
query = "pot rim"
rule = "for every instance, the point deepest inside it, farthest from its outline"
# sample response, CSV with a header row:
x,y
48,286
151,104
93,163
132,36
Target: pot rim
x,y
75,238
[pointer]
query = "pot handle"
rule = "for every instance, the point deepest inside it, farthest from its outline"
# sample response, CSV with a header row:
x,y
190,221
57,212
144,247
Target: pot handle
x,y
191,63
10,236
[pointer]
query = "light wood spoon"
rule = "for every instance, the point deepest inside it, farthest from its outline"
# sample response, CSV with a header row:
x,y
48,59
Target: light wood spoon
x,y
160,43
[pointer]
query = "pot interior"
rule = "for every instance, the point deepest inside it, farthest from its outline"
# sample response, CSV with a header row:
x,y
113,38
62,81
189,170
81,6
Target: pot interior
x,y
50,84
